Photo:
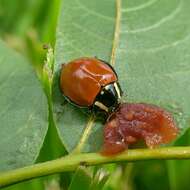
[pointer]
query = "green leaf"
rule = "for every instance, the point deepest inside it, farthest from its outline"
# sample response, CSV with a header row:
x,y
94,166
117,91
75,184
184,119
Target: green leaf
x,y
178,170
29,185
114,180
146,174
83,179
80,180
23,113
146,41
100,177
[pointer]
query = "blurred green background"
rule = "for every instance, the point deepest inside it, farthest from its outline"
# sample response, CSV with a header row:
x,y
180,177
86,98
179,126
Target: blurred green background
x,y
25,25
28,24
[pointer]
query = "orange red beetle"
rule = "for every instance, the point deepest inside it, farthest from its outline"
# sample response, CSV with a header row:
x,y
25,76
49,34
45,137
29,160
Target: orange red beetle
x,y
92,83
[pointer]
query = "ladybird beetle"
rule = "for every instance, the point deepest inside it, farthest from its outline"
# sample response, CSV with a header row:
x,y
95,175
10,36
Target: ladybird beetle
x,y
91,83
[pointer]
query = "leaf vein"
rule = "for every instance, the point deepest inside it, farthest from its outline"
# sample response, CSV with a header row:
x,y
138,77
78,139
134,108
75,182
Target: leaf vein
x,y
93,12
142,6
90,33
165,19
159,48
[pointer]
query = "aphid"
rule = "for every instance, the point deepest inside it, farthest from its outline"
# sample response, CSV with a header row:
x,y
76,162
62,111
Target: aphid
x,y
138,121
91,83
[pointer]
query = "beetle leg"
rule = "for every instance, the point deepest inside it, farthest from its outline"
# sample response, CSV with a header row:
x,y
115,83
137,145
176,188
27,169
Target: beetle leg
x,y
63,65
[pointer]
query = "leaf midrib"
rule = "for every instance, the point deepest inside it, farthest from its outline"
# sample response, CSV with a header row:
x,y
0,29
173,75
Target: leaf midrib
x,y
116,32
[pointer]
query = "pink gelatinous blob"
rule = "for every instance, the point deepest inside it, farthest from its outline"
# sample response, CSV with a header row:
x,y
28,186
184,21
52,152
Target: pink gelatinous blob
x,y
138,121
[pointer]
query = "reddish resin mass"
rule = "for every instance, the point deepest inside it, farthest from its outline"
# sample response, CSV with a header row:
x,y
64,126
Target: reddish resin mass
x,y
138,121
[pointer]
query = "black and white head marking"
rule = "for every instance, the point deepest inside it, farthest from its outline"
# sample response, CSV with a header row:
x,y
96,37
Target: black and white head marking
x,y
109,97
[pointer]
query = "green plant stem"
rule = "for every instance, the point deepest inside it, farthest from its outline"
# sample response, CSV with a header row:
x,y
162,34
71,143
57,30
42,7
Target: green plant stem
x,y
72,161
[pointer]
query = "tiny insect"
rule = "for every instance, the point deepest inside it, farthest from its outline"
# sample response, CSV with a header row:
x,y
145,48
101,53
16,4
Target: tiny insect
x,y
91,83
